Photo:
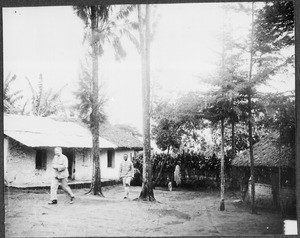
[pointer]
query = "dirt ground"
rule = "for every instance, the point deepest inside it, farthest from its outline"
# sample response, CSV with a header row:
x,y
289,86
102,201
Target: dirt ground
x,y
177,213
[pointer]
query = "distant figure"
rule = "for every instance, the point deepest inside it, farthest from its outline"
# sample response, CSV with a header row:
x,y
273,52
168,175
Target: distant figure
x,y
244,186
177,175
170,188
60,176
126,173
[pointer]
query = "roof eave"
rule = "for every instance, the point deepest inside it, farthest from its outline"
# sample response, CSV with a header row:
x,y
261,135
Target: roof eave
x,y
129,148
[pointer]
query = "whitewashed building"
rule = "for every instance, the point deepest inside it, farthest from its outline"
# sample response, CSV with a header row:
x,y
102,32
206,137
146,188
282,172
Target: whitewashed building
x,y
29,143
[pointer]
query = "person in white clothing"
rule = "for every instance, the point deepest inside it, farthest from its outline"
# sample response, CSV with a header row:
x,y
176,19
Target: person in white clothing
x,y
177,175
60,176
126,173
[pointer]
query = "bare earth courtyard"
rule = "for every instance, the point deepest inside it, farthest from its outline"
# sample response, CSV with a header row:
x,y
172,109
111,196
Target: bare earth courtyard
x,y
176,213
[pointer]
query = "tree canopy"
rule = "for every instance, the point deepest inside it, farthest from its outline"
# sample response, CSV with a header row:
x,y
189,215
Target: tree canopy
x,y
84,96
275,25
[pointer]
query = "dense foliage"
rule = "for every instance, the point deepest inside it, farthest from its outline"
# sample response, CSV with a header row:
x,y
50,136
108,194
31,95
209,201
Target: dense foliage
x,y
196,168
275,25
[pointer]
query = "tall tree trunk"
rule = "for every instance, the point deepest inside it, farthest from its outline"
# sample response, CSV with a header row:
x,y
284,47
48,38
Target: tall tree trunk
x,y
279,167
252,172
233,137
222,175
222,172
232,140
96,179
147,187
297,109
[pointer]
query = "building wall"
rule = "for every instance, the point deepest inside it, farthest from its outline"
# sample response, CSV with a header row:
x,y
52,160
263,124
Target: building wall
x,y
113,173
83,164
20,166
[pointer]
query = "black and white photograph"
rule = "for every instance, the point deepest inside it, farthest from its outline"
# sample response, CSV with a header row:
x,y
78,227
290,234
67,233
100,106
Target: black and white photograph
x,y
165,119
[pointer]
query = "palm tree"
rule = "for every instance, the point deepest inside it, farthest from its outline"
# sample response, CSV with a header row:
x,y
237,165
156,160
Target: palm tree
x,y
10,98
44,102
110,24
85,98
147,188
104,25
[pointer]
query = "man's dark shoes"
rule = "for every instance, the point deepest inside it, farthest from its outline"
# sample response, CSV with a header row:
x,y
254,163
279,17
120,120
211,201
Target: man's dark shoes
x,y
72,200
52,202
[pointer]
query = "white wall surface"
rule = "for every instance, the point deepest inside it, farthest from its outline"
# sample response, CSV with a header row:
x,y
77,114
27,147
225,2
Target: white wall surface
x,y
19,164
21,171
83,164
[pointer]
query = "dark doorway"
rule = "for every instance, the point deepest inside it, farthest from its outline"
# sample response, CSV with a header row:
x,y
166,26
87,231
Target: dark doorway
x,y
71,161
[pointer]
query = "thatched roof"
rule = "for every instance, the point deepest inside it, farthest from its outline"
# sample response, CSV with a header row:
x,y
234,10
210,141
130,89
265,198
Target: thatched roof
x,y
266,154
120,137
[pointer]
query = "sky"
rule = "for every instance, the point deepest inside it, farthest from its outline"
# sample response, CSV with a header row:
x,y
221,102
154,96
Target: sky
x,y
48,41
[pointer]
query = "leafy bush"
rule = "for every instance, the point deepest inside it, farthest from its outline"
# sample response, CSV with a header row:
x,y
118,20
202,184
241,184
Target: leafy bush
x,y
195,168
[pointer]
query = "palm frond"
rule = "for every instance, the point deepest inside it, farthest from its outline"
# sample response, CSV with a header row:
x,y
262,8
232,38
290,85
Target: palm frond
x,y
7,83
132,38
102,12
57,95
33,92
7,106
39,94
83,12
16,97
120,53
124,11
7,77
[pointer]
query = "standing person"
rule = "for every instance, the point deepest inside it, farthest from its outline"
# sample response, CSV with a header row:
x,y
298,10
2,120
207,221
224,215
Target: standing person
x,y
60,176
177,175
126,173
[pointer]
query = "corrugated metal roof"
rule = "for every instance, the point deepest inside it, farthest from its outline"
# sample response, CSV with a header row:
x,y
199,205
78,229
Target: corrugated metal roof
x,y
35,131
